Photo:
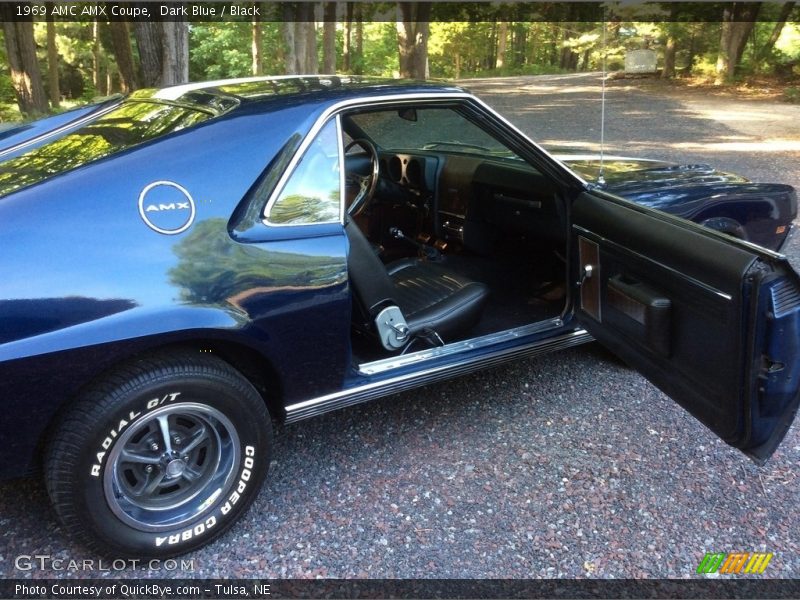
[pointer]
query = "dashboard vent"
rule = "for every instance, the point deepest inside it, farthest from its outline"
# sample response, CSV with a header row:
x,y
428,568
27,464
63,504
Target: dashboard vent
x,y
785,298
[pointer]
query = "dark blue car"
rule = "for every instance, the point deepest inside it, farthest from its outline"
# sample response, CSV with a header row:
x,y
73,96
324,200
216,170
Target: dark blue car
x,y
182,267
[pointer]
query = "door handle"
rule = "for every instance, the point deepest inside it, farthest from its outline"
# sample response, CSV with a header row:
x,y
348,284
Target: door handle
x,y
586,273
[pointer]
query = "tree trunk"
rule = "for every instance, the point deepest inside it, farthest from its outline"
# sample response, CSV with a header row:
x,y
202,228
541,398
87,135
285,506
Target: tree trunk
x,y
776,30
26,76
413,28
669,58
256,46
121,41
519,43
359,17
98,79
553,54
502,37
175,53
309,23
52,60
329,39
669,48
300,46
738,19
348,37
148,42
289,34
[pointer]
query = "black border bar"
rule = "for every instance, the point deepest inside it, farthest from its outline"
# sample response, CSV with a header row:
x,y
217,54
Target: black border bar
x,y
73,589
474,11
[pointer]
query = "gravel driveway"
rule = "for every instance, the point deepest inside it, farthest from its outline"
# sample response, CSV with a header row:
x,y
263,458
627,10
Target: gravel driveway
x,y
570,465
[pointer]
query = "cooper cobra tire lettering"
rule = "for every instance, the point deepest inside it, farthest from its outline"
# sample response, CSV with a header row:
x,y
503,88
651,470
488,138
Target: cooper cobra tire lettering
x,y
187,534
148,423
244,477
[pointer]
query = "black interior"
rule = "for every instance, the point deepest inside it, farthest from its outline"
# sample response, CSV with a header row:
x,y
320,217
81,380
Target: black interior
x,y
478,222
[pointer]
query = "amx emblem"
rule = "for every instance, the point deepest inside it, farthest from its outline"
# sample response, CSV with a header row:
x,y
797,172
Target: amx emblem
x,y
166,207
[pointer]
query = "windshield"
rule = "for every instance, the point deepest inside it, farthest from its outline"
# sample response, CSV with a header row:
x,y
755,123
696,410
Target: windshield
x,y
428,129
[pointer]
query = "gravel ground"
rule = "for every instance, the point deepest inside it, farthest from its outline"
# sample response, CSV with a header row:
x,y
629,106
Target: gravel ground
x,y
570,465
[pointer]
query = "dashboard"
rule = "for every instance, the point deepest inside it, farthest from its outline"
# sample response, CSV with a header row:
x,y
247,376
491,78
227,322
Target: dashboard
x,y
471,200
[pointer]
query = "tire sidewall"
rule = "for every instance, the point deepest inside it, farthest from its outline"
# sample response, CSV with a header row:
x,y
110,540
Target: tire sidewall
x,y
134,406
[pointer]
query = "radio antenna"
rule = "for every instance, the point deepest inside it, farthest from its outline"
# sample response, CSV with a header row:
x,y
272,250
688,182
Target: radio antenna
x,y
601,180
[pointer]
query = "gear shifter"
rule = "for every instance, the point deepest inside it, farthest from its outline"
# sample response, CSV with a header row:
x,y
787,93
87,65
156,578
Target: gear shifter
x,y
429,252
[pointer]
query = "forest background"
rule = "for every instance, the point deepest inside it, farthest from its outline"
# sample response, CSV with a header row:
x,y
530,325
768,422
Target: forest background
x,y
49,65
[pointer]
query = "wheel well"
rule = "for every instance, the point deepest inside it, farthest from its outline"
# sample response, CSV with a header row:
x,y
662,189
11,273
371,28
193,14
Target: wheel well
x,y
721,221
249,362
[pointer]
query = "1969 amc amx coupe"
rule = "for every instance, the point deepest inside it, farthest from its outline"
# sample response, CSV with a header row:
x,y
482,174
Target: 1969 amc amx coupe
x,y
183,266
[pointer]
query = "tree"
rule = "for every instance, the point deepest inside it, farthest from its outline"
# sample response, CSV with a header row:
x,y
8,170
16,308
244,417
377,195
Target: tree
x,y
329,38
163,52
738,19
121,43
502,37
148,42
175,53
256,45
53,89
413,28
311,66
786,10
348,37
359,17
26,76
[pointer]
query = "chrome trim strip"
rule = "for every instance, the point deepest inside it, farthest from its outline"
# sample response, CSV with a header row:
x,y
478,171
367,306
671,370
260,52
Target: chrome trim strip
x,y
320,123
340,139
64,128
625,250
395,362
370,391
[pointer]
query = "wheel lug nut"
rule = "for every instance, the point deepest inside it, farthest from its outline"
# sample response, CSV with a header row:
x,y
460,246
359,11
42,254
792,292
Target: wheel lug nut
x,y
148,469
154,447
176,439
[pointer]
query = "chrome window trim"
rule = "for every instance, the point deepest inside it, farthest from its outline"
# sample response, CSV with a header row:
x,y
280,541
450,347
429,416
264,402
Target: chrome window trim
x,y
340,141
66,127
322,120
290,169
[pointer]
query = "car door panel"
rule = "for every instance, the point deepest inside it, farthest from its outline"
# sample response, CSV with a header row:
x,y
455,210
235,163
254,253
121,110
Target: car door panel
x,y
711,322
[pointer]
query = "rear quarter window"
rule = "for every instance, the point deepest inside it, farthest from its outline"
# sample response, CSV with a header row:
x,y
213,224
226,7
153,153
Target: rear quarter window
x,y
129,125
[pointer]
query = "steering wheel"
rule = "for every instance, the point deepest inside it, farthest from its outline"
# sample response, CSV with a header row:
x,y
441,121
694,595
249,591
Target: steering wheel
x,y
364,182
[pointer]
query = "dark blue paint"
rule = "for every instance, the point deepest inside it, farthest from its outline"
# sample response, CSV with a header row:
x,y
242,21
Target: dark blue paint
x,y
86,285
724,201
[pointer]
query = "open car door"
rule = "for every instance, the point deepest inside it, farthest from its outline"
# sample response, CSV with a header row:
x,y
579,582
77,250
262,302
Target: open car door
x,y
713,322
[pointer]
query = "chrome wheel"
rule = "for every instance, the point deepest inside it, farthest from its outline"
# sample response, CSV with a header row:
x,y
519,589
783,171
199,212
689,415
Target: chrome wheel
x,y
171,467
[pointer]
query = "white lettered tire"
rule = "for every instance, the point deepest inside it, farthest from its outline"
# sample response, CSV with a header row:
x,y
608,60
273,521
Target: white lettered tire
x,y
160,457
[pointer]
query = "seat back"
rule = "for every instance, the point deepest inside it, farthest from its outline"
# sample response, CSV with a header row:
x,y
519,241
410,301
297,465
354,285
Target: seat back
x,y
371,284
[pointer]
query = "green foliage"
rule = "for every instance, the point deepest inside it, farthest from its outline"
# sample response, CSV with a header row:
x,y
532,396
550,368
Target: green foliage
x,y
219,51
792,94
223,50
380,56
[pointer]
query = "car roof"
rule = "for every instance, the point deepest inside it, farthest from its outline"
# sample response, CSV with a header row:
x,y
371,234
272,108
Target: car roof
x,y
225,94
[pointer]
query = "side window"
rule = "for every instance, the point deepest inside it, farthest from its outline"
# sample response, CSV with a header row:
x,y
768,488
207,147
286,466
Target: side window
x,y
312,192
